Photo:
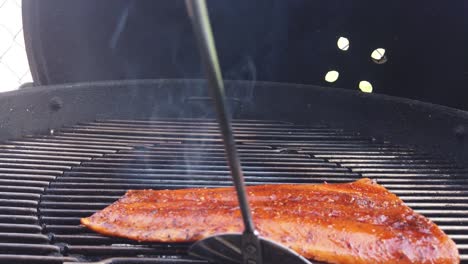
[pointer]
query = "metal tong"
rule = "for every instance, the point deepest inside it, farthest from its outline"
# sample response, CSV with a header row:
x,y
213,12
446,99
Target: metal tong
x,y
248,248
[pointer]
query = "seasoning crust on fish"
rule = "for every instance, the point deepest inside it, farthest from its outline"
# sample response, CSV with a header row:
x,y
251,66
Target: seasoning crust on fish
x,y
358,222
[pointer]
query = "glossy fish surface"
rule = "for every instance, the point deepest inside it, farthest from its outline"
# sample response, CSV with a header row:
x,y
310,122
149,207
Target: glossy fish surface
x,y
357,222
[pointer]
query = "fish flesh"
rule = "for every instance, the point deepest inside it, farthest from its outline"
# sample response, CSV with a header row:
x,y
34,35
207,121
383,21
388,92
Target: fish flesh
x,y
357,222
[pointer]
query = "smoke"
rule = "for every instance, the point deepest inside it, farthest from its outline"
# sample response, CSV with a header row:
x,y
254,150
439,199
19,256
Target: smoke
x,y
120,26
246,70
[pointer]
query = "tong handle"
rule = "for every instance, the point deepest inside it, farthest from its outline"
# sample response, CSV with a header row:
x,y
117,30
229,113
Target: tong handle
x,y
198,13
251,248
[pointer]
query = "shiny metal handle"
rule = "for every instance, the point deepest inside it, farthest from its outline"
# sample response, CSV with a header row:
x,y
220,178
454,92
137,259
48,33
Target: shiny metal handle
x,y
201,24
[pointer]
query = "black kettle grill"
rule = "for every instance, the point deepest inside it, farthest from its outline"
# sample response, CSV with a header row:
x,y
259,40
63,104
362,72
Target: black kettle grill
x,y
69,150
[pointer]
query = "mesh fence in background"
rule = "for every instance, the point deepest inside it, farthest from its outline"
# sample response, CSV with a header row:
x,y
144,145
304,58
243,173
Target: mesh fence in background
x,y
14,68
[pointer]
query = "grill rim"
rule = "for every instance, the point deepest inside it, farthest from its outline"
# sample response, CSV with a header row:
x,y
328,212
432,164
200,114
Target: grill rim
x,y
429,127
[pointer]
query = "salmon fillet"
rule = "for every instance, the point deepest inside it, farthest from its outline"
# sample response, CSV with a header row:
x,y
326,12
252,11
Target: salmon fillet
x,y
358,222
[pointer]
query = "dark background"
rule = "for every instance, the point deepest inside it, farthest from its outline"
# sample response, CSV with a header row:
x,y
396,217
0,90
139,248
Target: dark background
x,y
291,41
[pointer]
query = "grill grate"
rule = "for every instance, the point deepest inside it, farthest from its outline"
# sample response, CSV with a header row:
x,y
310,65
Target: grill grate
x,y
47,183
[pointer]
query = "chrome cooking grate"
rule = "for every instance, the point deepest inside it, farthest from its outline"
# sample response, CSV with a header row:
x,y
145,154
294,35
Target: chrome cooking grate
x,y
47,183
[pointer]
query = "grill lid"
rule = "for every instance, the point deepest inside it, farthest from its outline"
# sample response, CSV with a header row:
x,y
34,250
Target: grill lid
x,y
48,182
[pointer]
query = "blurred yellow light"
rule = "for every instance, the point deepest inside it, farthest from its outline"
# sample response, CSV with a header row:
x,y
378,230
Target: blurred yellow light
x,y
378,54
332,76
365,86
343,43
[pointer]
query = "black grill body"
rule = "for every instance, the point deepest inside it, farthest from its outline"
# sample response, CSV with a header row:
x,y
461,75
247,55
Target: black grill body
x,y
69,151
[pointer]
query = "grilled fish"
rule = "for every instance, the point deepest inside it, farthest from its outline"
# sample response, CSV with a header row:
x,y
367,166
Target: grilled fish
x,y
358,222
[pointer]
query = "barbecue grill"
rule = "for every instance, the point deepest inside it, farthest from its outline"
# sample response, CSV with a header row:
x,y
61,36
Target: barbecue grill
x,y
71,150
68,150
